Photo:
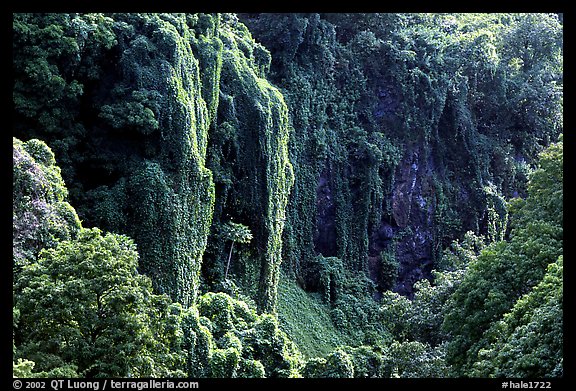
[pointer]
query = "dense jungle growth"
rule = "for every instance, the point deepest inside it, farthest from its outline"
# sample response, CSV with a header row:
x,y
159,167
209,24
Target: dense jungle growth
x,y
287,195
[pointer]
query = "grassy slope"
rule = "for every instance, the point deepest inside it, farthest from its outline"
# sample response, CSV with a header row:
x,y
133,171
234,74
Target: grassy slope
x,y
307,320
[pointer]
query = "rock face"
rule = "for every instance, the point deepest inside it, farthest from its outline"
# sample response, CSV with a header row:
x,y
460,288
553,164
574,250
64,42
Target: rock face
x,y
412,208
325,237
407,232
411,139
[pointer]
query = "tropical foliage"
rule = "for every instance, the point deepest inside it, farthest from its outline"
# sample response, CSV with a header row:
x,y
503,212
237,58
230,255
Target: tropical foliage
x,y
337,195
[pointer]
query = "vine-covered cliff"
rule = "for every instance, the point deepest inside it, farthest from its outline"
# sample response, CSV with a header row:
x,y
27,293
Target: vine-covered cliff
x,y
274,195
139,102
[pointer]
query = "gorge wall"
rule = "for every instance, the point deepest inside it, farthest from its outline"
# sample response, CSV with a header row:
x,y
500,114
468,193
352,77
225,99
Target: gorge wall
x,y
399,146
358,137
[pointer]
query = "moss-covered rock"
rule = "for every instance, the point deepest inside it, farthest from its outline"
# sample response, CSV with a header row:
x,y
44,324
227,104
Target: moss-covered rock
x,y
401,122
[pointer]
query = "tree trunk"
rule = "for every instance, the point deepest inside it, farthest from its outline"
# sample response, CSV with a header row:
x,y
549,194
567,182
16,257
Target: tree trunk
x,y
228,264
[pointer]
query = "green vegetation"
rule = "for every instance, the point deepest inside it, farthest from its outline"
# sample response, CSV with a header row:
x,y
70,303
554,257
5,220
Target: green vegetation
x,y
236,233
83,308
504,271
307,321
287,195
40,213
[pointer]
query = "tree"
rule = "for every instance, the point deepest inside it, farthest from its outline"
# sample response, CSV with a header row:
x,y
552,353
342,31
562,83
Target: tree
x,y
41,214
505,271
337,364
532,49
236,233
528,341
415,359
245,344
84,304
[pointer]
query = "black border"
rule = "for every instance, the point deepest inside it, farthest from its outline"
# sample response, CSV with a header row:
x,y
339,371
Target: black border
x,y
319,6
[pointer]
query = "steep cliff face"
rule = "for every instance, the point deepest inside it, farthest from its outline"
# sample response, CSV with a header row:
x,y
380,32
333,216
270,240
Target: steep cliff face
x,y
169,192
400,142
249,154
345,154
413,208
149,96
